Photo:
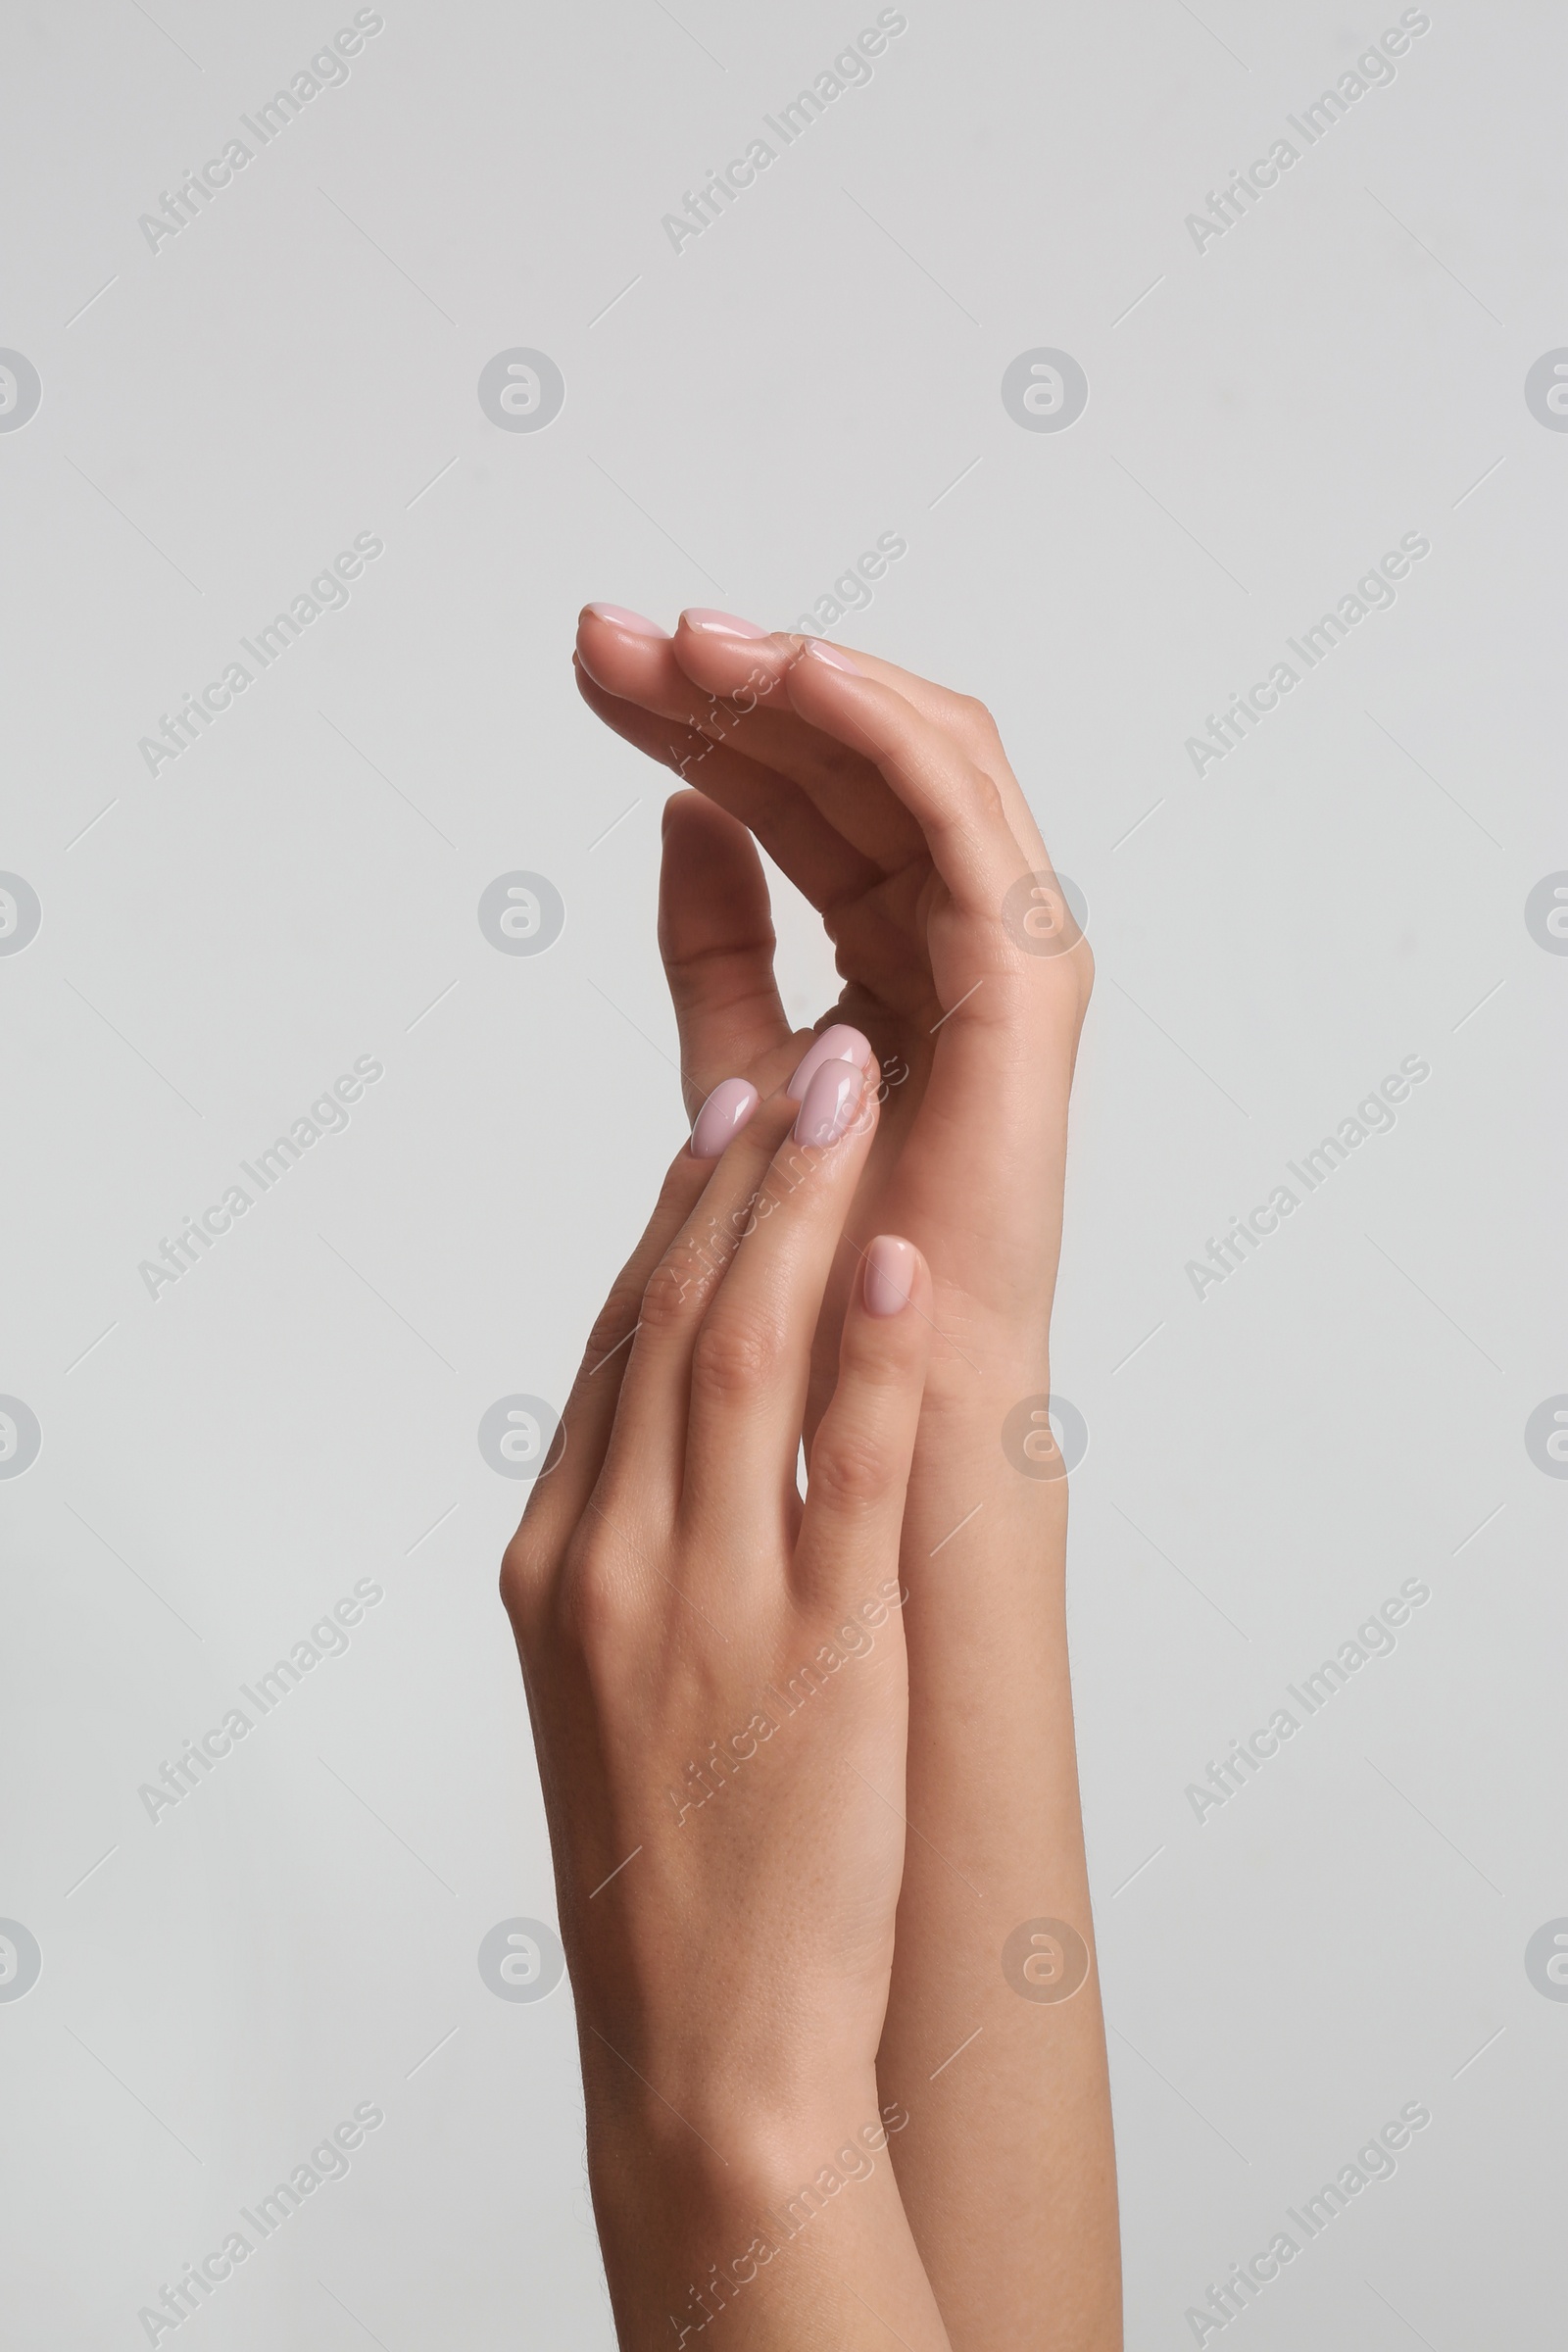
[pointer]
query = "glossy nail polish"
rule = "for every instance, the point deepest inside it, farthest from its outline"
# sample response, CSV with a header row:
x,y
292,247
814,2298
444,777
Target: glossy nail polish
x,y
831,1099
722,1116
832,656
889,1275
840,1043
719,625
635,624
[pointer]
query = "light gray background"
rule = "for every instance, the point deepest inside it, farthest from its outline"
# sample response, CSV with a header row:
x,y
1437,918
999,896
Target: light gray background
x,y
219,941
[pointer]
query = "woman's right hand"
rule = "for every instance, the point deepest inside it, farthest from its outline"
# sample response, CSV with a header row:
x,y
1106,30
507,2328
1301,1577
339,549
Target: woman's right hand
x,y
890,803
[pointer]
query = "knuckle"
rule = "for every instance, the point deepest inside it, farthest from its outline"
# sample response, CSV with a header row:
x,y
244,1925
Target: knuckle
x,y
674,1289
526,1566
986,795
851,1469
615,1319
970,722
594,1614
837,763
736,1358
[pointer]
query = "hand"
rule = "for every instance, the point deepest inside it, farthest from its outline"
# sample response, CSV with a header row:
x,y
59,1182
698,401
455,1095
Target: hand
x,y
890,803
717,1681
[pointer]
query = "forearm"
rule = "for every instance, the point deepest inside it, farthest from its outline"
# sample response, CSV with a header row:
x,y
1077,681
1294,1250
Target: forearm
x,y
1006,2169
892,804
721,2231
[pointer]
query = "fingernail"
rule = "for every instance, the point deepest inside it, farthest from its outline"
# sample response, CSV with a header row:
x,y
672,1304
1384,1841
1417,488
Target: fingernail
x,y
636,625
830,1102
719,625
838,1043
722,1116
835,658
889,1275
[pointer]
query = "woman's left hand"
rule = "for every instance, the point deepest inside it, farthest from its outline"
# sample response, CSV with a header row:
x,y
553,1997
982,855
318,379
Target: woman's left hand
x,y
716,1679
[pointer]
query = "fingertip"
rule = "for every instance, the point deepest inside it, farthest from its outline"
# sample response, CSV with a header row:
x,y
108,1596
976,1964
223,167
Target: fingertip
x,y
727,1109
832,1096
837,1043
733,658
891,1273
620,616
831,656
816,667
705,621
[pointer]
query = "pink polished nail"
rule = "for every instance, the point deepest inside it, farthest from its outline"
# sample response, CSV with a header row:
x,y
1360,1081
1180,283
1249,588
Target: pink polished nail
x,y
889,1275
833,656
636,625
830,1102
719,625
838,1043
722,1116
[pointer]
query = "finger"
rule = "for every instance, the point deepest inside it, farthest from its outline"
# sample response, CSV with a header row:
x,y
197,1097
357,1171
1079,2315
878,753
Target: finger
x,y
645,1450
956,803
725,657
972,727
741,679
560,1493
634,666
730,658
860,1456
796,835
750,1359
715,935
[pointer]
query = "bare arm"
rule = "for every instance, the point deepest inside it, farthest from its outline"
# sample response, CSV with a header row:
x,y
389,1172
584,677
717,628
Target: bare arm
x,y
717,1682
892,806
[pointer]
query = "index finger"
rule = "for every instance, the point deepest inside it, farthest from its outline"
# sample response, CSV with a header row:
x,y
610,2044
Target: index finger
x,y
958,804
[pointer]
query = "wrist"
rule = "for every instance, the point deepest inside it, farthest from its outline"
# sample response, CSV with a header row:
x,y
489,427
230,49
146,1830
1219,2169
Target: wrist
x,y
796,2203
725,2171
724,2141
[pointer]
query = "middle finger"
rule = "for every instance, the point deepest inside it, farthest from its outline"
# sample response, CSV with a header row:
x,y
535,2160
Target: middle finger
x,y
727,687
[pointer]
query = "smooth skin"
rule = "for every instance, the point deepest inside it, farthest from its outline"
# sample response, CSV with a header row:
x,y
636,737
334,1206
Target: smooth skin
x,y
730,1929
890,803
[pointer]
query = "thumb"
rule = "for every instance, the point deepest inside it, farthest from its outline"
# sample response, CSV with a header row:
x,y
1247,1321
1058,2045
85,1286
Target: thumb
x,y
715,935
859,1467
